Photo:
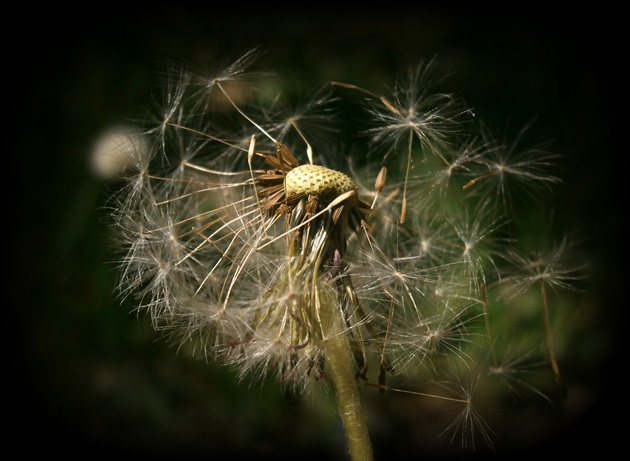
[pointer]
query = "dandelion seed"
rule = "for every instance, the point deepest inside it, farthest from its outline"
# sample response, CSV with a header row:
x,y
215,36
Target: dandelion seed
x,y
556,269
515,368
469,426
515,175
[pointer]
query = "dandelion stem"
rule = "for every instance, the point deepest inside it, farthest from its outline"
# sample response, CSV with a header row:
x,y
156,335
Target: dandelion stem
x,y
549,342
340,368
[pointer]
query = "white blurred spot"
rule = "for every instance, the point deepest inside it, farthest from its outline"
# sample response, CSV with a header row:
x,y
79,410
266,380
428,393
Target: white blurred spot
x,y
115,150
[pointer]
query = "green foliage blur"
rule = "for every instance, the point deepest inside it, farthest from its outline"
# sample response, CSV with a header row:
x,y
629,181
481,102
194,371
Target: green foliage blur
x,y
94,379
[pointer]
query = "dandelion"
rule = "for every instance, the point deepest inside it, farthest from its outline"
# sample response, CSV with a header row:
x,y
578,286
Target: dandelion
x,y
251,233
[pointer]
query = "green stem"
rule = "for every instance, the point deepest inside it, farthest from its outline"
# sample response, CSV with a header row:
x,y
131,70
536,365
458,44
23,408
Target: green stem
x,y
340,368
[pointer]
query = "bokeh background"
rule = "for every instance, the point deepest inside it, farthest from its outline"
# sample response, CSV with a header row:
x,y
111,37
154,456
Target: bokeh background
x,y
93,379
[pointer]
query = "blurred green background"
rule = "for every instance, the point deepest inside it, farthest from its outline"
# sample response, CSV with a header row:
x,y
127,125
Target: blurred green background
x,y
93,379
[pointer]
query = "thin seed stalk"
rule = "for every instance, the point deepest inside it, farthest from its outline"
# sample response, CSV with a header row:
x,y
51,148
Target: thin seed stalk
x,y
549,343
340,368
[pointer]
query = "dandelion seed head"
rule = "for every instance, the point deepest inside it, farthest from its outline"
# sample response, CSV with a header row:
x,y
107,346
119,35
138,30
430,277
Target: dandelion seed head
x,y
317,180
247,240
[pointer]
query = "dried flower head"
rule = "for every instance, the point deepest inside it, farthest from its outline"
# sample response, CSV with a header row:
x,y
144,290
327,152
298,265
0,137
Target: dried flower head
x,y
306,263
